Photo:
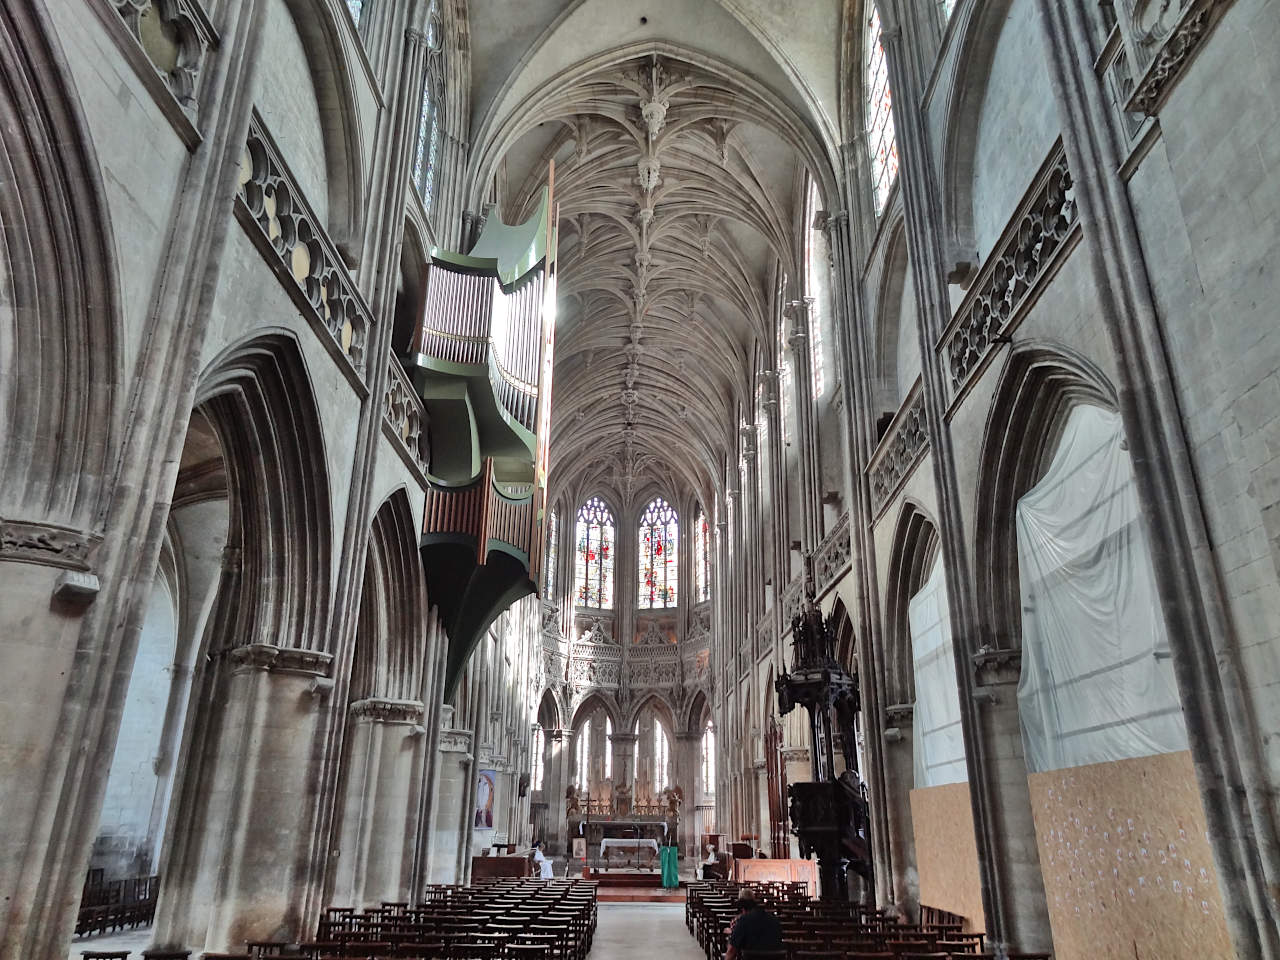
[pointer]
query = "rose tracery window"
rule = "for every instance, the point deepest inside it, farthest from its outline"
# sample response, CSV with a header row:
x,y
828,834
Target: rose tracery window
x,y
701,558
882,141
593,571
659,537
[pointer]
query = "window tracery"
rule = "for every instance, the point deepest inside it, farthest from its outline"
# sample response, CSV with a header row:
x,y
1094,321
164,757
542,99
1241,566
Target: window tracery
x,y
537,767
813,282
882,140
430,118
709,760
701,558
661,757
659,569
608,748
584,757
552,555
593,571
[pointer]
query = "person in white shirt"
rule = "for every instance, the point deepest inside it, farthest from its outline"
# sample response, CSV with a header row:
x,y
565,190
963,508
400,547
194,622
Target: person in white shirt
x,y
544,864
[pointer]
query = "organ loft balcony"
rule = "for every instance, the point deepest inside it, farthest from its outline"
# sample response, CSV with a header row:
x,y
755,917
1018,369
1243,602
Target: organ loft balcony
x,y
481,359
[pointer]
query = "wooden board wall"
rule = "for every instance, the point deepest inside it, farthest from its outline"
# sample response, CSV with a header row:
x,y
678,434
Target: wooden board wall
x,y
1127,867
946,851
759,870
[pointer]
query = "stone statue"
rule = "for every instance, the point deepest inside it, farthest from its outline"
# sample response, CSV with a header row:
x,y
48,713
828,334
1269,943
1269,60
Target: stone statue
x,y
571,806
622,800
674,796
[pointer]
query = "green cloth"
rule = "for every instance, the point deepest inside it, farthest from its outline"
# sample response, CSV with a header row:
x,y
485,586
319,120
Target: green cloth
x,y
670,867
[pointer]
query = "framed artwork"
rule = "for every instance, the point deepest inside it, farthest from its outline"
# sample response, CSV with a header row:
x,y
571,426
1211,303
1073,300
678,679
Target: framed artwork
x,y
486,792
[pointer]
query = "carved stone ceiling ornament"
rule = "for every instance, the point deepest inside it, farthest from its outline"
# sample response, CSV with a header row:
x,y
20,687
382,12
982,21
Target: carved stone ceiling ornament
x,y
677,199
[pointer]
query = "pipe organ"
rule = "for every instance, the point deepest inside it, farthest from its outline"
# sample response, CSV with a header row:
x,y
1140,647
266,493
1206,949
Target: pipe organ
x,y
481,359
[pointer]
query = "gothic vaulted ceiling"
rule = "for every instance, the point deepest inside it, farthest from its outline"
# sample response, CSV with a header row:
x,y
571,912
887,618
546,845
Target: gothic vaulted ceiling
x,y
680,149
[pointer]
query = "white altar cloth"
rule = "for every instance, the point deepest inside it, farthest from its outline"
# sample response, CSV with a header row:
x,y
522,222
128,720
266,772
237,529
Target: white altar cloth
x,y
626,844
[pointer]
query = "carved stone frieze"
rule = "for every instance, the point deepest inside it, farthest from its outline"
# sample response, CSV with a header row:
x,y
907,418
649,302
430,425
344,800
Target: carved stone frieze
x,y
1015,272
899,450
993,667
385,710
47,543
300,251
455,741
266,656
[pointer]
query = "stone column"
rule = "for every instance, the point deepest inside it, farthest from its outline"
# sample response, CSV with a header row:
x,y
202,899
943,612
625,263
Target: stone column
x,y
687,772
622,747
451,791
382,779
239,851
797,311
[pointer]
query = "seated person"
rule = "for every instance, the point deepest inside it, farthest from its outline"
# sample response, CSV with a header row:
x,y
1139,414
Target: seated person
x,y
711,865
754,929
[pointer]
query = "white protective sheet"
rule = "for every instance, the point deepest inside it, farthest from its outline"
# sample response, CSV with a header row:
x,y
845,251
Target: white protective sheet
x,y
1096,680
937,736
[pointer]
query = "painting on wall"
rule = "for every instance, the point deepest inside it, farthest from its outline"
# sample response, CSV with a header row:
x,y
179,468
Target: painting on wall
x,y
486,790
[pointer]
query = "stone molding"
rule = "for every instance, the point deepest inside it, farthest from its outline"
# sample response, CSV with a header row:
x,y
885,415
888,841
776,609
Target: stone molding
x,y
795,755
1033,246
1170,62
900,449
996,667
49,544
385,710
455,741
276,215
266,656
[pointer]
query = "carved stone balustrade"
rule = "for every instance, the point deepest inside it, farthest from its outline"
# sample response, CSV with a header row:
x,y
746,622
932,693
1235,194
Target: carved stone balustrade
x,y
900,449
1033,246
832,557
405,420
282,224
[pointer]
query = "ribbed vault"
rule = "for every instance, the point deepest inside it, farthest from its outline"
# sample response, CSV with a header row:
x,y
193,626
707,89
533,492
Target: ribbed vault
x,y
678,192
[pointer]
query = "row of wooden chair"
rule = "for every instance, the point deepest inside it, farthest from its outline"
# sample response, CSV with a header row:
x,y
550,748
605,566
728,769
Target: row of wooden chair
x,y
107,905
823,930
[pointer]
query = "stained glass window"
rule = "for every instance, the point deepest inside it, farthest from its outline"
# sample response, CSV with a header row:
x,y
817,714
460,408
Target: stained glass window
x,y
947,7
537,760
593,572
881,138
709,760
702,558
661,756
552,556
814,262
659,537
355,8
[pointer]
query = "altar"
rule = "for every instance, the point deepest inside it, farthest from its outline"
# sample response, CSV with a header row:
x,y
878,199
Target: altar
x,y
631,852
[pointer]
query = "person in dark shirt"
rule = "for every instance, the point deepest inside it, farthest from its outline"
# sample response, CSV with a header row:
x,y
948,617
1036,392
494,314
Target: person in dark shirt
x,y
755,928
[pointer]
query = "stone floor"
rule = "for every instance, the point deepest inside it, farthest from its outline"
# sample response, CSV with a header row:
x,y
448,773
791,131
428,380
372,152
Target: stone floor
x,y
641,930
644,930
134,940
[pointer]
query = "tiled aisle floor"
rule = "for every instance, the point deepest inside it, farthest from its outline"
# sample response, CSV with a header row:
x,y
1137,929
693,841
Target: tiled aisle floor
x,y
643,930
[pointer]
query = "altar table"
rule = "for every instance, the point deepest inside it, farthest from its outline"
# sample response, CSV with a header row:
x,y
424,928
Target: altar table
x,y
630,847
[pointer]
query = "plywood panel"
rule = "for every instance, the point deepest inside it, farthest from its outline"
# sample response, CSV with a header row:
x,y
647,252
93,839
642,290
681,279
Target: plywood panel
x,y
1126,862
946,851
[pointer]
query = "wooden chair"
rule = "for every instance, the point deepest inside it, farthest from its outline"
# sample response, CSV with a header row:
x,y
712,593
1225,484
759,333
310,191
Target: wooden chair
x,y
166,954
105,954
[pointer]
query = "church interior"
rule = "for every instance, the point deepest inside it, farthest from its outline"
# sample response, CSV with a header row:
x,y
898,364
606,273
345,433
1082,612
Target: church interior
x,y
493,479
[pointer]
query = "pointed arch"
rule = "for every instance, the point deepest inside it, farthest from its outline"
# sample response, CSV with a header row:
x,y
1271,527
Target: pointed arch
x,y
915,547
595,700
275,588
1039,384
59,297
391,634
846,640
661,707
698,712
